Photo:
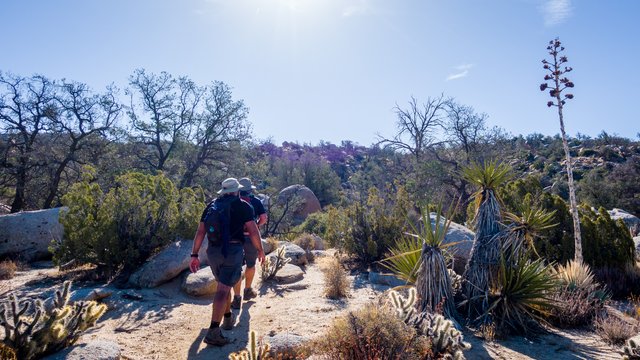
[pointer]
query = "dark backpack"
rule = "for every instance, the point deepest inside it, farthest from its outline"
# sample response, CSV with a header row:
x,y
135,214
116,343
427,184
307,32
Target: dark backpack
x,y
217,222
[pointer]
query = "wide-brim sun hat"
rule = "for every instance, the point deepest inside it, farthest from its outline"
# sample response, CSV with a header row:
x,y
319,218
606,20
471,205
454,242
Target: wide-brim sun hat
x,y
246,185
229,185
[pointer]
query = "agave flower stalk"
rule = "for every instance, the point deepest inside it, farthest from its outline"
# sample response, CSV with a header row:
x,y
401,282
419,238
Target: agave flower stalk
x,y
557,70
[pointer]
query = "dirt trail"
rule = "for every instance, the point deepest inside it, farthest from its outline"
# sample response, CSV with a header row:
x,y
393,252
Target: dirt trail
x,y
166,324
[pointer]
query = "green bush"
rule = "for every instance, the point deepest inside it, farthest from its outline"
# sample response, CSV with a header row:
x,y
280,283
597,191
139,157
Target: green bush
x,y
120,229
315,223
604,242
367,230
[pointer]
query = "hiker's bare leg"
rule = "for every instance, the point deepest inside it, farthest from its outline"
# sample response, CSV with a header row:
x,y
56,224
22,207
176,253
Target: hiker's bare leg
x,y
249,274
221,302
236,287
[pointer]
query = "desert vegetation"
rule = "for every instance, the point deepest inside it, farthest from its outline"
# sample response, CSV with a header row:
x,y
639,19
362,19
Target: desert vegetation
x,y
133,178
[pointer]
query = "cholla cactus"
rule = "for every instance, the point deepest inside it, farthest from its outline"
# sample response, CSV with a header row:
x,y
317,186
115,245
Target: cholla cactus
x,y
631,351
446,341
405,307
255,351
270,266
32,331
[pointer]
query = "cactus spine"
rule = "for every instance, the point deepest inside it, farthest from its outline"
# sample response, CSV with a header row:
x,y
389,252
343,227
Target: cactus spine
x,y
404,307
270,266
32,331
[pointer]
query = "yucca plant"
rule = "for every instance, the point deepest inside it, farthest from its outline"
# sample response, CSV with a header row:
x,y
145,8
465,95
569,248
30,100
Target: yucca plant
x,y
519,236
519,297
485,254
420,259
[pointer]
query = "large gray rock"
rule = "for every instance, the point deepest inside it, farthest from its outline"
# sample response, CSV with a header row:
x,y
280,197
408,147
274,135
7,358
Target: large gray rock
x,y
297,254
167,264
200,283
459,235
303,198
94,350
267,246
27,235
636,241
632,222
385,279
91,294
289,274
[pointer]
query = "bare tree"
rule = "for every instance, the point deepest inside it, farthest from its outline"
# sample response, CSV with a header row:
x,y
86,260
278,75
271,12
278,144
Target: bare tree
x,y
81,116
559,82
26,107
417,126
222,122
165,107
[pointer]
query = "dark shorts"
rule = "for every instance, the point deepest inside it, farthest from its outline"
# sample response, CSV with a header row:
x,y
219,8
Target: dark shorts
x,y
227,270
250,253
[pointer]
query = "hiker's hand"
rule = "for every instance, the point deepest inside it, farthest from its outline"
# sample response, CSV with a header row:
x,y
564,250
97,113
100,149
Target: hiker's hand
x,y
194,265
261,255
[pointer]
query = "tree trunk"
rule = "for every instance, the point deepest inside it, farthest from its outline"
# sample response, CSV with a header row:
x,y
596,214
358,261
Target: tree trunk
x,y
55,182
21,182
572,190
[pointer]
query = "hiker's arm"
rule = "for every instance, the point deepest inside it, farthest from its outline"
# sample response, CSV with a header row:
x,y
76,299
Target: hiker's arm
x,y
254,235
194,265
262,220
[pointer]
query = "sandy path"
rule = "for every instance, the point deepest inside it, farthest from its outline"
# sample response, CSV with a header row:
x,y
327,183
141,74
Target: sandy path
x,y
166,324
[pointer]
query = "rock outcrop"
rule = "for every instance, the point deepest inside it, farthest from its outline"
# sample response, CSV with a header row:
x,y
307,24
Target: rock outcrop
x,y
297,254
289,274
632,222
94,350
167,264
636,241
200,283
27,235
302,198
462,237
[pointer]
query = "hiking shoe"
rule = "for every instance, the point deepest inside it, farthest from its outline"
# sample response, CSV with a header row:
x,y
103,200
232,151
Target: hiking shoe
x,y
237,300
228,322
249,294
214,337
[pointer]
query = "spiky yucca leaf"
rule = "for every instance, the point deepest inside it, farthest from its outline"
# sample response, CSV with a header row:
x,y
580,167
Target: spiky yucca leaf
x,y
528,225
520,296
489,175
575,275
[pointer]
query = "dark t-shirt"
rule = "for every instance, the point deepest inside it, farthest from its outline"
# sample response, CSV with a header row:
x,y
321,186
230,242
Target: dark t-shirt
x,y
256,204
241,212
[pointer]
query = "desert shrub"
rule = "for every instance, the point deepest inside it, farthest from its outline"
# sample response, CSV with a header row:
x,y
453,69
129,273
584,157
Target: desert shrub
x,y
7,269
122,228
371,333
33,330
367,230
306,241
578,298
604,242
336,283
620,282
315,223
613,330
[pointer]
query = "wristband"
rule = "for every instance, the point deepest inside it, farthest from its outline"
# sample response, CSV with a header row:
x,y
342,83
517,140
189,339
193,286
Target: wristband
x,y
194,255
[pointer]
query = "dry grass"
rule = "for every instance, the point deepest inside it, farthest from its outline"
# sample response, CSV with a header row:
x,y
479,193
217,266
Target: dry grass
x,y
8,269
613,330
336,283
574,307
371,333
306,241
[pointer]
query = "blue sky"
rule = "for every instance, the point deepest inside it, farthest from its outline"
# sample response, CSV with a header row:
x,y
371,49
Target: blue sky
x,y
333,70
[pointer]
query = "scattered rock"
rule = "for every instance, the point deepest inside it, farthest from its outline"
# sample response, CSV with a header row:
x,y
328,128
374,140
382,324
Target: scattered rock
x,y
283,344
297,254
319,254
132,296
267,246
201,283
167,264
27,235
303,198
289,274
94,350
385,279
89,294
632,222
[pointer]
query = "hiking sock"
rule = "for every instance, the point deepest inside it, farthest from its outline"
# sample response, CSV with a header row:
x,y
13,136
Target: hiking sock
x,y
214,324
227,315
